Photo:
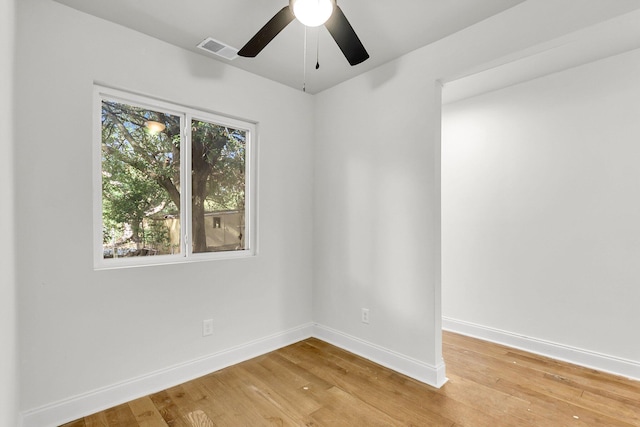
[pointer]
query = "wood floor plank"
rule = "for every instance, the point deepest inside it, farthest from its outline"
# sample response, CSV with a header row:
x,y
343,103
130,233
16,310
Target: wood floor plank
x,y
190,410
557,399
498,405
201,398
425,399
146,413
97,420
291,400
239,402
430,406
367,381
199,418
168,409
76,423
213,399
344,409
598,382
120,415
312,383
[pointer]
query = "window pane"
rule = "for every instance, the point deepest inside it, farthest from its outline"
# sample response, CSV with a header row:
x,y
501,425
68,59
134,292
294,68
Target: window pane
x,y
140,181
218,187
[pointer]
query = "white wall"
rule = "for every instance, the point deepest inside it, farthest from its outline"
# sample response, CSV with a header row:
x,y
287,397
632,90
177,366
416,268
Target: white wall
x,y
8,307
81,329
377,201
375,163
376,210
541,230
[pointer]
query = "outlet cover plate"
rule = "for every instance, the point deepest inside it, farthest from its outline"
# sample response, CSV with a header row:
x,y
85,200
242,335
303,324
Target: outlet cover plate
x,y
365,315
207,327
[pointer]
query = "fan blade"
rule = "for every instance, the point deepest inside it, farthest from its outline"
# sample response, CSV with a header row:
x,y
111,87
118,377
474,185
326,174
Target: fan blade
x,y
267,33
346,38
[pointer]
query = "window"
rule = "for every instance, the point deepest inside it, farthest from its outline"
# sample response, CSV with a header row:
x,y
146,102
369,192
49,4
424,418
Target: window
x,y
172,183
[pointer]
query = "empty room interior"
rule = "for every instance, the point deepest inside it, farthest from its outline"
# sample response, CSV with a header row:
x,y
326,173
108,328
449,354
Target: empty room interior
x,y
472,181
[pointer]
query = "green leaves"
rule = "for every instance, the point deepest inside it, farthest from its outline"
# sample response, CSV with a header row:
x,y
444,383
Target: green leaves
x,y
135,164
141,176
219,156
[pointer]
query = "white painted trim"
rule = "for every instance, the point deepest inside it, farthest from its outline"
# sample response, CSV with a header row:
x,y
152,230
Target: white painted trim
x,y
70,409
88,403
590,359
186,115
429,374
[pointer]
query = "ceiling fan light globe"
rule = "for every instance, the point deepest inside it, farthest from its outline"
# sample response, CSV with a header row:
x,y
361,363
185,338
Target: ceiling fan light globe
x,y
312,13
154,127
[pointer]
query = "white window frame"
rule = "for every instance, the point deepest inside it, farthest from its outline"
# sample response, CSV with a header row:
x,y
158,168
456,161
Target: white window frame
x,y
186,114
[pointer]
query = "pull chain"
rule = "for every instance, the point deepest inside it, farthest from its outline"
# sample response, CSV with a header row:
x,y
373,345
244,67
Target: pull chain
x,y
304,65
317,50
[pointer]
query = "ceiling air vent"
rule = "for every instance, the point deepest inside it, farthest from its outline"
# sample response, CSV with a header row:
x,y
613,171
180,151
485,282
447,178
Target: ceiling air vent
x,y
218,48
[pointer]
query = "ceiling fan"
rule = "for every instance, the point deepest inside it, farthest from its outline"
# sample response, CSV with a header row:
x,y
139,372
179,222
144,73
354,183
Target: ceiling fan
x,y
311,13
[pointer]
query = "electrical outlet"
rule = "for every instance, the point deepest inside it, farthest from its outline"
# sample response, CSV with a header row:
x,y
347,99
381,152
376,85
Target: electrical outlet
x,y
365,315
207,327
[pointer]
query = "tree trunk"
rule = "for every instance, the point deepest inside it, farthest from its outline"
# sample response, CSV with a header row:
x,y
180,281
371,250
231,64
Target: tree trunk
x,y
135,236
198,230
201,169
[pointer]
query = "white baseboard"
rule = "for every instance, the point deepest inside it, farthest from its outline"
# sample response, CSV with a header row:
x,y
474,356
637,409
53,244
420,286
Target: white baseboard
x,y
431,375
601,362
98,400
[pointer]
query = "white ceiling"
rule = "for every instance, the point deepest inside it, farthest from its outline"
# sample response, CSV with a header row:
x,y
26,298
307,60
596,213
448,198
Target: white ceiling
x,y
388,29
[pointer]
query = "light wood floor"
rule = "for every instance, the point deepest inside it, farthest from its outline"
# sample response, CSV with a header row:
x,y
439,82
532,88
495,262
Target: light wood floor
x,y
312,383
